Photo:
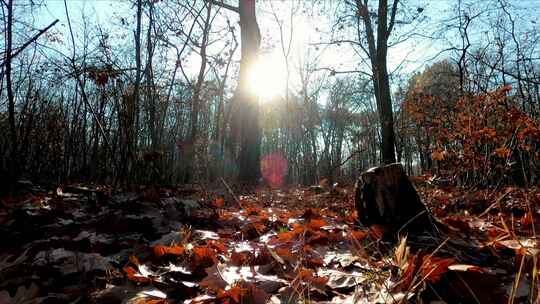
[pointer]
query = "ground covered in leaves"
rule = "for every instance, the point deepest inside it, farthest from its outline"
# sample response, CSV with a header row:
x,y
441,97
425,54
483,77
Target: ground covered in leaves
x,y
89,244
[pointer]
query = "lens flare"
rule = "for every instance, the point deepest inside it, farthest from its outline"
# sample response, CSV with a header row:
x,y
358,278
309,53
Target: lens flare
x,y
274,168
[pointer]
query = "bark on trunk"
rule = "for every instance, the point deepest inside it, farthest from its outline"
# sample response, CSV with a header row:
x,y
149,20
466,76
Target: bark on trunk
x,y
13,170
250,142
377,51
245,107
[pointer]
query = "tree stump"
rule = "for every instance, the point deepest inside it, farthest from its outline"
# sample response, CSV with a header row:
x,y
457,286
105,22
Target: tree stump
x,y
384,196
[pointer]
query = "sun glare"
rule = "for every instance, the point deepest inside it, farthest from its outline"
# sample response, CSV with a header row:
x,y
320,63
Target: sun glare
x,y
268,77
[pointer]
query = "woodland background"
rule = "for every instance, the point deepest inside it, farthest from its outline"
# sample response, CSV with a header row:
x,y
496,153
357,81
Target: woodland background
x,y
113,100
129,130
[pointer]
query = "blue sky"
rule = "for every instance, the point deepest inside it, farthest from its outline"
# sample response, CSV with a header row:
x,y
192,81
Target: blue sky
x,y
100,10
108,14
105,11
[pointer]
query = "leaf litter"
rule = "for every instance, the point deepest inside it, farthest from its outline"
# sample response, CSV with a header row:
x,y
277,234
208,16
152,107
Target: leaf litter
x,y
80,244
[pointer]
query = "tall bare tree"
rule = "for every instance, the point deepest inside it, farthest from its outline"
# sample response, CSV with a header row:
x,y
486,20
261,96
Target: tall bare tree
x,y
132,102
246,100
9,85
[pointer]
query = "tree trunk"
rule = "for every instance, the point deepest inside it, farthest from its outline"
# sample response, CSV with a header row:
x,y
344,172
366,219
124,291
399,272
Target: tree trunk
x,y
11,99
386,115
384,196
132,119
149,74
196,103
377,51
196,100
250,140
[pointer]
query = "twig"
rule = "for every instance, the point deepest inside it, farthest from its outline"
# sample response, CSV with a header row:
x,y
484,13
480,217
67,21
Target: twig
x,y
347,159
530,211
428,258
411,220
224,5
516,281
231,193
497,202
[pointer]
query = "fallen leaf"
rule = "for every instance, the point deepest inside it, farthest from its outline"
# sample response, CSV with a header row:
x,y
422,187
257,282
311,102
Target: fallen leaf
x,y
134,275
465,267
204,256
342,280
316,224
433,268
437,155
160,250
308,276
218,202
359,235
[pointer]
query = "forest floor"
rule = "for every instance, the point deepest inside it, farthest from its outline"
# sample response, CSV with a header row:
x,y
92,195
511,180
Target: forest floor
x,y
88,244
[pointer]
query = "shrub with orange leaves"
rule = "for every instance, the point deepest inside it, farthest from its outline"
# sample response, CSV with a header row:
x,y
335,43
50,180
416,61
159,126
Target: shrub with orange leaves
x,y
480,139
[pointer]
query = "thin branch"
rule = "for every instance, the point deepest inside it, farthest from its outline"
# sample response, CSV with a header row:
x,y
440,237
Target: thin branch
x,y
41,32
347,159
336,42
392,18
334,72
224,5
80,83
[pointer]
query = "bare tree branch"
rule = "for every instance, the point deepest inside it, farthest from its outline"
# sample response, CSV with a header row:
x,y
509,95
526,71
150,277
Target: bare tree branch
x,y
41,32
224,5
334,72
392,18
